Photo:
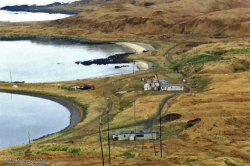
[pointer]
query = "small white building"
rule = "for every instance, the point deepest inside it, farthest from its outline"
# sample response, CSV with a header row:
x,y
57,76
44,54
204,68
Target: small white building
x,y
172,87
162,85
130,135
151,86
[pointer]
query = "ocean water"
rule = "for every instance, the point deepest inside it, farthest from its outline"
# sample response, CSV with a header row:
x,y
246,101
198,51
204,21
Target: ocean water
x,y
31,2
51,61
21,114
8,16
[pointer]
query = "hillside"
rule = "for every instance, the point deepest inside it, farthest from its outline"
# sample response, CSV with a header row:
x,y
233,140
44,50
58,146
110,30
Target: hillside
x,y
229,17
204,42
127,19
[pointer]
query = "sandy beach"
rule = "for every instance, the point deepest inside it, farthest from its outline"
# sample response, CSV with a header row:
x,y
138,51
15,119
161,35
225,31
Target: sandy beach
x,y
143,65
139,48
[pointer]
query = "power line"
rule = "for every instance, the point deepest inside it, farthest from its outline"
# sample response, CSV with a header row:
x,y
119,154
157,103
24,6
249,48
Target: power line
x,y
108,134
100,135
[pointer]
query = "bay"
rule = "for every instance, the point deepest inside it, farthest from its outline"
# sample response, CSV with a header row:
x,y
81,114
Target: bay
x,y
21,114
51,61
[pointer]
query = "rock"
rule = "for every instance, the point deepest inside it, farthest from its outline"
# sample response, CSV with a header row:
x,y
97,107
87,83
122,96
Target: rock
x,y
171,117
190,123
113,59
147,4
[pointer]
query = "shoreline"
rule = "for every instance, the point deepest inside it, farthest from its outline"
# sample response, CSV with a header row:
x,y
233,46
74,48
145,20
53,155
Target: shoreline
x,y
76,113
138,47
41,8
54,38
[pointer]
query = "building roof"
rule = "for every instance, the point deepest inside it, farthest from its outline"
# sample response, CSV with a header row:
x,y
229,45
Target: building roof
x,y
137,132
163,83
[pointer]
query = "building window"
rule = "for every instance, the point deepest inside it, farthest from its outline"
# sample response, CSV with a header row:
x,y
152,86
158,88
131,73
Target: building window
x,y
140,135
124,136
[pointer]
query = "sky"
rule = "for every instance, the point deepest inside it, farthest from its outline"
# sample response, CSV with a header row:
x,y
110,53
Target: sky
x,y
30,2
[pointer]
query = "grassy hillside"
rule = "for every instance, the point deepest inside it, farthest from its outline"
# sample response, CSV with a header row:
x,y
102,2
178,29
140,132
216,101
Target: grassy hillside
x,y
184,16
206,43
132,18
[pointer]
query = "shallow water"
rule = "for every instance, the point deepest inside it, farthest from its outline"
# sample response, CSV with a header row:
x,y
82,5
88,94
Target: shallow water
x,y
21,114
47,61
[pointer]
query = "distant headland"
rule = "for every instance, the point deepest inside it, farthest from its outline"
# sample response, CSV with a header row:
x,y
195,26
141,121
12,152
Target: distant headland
x,y
42,8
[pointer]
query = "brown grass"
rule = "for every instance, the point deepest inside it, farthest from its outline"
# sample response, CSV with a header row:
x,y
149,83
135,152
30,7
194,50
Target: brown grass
x,y
221,99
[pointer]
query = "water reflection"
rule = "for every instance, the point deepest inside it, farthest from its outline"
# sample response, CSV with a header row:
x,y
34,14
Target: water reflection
x,y
22,114
48,61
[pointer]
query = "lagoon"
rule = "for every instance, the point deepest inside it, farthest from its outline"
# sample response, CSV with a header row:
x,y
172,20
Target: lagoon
x,y
21,114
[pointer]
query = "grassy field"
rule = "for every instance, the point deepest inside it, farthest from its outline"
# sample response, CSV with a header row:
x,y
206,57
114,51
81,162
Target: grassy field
x,y
211,141
216,67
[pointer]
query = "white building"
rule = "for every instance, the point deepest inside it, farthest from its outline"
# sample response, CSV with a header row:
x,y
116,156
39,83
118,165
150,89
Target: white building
x,y
151,86
162,85
132,135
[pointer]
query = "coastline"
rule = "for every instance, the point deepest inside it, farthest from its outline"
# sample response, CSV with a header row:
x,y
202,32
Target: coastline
x,y
41,8
53,38
76,113
139,48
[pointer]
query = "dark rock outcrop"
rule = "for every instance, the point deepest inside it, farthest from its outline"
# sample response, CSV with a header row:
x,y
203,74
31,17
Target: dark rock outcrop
x,y
113,59
190,123
44,9
171,117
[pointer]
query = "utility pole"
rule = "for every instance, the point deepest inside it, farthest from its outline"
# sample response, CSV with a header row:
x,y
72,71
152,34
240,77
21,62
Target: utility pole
x,y
152,138
160,136
135,122
100,135
29,139
157,80
107,110
10,77
133,66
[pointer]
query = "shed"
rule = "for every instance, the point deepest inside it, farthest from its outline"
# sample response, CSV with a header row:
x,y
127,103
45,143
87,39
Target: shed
x,y
130,135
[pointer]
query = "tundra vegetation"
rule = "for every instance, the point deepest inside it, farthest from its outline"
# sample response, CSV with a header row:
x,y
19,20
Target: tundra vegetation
x,y
205,42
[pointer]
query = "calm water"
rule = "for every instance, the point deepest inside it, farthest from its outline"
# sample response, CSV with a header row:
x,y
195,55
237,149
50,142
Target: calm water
x,y
46,61
31,2
22,114
8,16
28,16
